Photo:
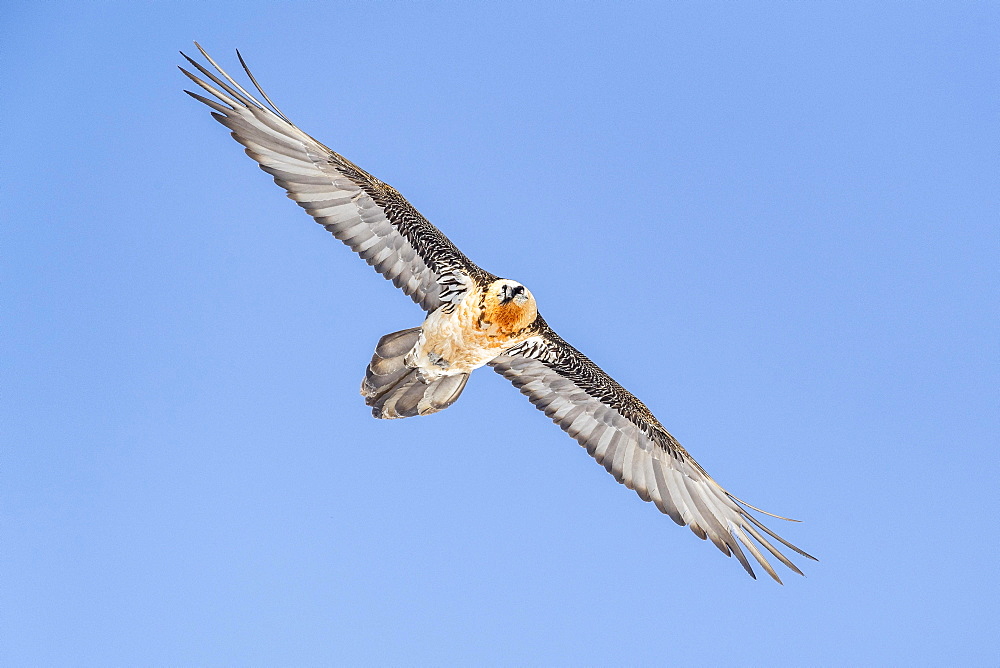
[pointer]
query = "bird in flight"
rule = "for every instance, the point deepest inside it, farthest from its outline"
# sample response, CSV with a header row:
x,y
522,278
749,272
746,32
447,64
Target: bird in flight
x,y
476,319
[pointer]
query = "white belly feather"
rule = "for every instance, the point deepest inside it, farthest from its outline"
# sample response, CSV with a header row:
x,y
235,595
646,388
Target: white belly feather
x,y
460,341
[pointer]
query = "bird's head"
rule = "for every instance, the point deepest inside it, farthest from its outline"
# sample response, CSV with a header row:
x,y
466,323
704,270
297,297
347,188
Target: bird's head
x,y
509,305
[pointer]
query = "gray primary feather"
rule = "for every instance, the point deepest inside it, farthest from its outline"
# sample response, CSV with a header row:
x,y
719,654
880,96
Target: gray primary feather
x,y
366,214
622,434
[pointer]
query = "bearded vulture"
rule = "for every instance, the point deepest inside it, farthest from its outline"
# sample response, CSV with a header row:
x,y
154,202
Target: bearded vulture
x,y
475,319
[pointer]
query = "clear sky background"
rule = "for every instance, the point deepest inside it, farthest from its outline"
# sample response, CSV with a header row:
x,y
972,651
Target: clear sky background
x,y
774,223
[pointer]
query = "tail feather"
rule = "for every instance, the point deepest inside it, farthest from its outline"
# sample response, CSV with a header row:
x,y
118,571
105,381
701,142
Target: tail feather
x,y
395,390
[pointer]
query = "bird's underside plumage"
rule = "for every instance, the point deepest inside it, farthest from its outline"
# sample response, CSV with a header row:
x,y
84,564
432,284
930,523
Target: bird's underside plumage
x,y
475,319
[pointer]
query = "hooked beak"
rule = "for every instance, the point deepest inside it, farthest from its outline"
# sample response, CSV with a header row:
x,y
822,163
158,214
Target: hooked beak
x,y
508,293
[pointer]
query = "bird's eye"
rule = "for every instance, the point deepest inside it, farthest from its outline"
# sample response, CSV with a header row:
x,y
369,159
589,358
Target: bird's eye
x,y
519,290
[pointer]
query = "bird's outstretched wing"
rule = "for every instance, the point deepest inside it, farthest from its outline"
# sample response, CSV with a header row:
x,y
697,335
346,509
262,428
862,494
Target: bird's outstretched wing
x,y
620,433
366,214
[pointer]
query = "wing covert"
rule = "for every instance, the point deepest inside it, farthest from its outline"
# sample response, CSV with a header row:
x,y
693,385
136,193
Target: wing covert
x,y
622,434
366,214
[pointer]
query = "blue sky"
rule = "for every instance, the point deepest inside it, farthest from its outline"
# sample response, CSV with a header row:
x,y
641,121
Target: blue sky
x,y
774,223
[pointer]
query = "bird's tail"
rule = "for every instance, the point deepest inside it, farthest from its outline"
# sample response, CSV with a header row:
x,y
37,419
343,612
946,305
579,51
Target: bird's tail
x,y
395,390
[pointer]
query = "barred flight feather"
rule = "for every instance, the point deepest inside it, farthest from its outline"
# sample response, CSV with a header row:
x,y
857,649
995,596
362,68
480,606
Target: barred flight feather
x,y
305,168
633,446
